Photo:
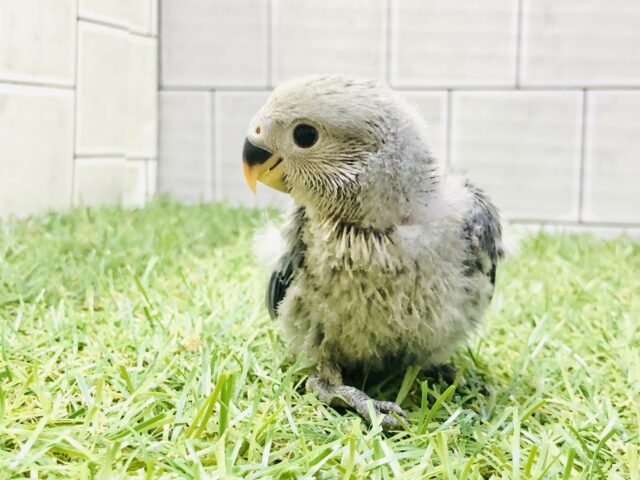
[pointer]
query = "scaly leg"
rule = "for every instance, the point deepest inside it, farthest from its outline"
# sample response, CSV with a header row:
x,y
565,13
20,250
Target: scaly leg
x,y
351,397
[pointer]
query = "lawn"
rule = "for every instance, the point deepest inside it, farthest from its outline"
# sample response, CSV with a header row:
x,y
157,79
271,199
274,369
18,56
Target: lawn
x,y
136,343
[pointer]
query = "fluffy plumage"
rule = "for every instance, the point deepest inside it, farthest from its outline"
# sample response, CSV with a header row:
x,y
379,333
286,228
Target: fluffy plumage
x,y
388,258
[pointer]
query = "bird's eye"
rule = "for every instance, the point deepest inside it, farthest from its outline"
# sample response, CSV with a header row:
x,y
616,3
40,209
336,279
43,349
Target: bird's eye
x,y
305,135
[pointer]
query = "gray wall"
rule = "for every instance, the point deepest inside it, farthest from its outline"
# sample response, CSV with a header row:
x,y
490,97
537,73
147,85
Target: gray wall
x,y
78,103
538,99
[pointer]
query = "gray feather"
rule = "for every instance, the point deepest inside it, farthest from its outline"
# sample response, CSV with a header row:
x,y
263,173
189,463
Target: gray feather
x,y
483,232
288,265
388,254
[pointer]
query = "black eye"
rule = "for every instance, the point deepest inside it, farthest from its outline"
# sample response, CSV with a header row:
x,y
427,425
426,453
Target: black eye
x,y
305,136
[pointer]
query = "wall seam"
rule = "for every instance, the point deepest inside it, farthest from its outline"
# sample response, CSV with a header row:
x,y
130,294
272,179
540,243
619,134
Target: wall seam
x,y
76,75
573,223
413,88
36,84
158,101
510,88
520,13
115,26
82,156
213,187
583,136
448,142
218,88
269,44
388,40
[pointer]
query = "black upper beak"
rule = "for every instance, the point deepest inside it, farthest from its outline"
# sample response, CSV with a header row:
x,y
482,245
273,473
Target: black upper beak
x,y
253,155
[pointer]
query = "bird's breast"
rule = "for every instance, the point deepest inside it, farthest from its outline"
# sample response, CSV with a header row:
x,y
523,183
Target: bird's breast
x,y
349,248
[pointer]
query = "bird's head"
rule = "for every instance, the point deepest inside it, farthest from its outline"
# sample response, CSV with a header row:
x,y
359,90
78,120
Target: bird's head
x,y
335,143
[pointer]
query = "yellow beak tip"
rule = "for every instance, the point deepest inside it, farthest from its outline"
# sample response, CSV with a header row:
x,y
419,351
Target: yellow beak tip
x,y
250,177
269,173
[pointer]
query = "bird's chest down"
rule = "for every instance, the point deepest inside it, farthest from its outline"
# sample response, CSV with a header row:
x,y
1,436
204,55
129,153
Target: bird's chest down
x,y
362,306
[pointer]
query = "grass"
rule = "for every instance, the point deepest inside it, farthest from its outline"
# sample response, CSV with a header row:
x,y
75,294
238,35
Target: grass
x,y
135,343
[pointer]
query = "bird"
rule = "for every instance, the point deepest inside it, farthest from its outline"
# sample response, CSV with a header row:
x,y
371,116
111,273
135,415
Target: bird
x,y
387,258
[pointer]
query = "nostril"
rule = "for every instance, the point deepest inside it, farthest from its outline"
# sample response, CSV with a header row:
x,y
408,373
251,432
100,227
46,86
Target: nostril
x,y
258,130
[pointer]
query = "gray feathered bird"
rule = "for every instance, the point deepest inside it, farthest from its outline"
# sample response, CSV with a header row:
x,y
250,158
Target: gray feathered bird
x,y
388,259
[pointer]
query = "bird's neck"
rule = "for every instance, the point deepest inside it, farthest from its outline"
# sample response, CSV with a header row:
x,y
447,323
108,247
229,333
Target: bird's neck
x,y
358,217
348,245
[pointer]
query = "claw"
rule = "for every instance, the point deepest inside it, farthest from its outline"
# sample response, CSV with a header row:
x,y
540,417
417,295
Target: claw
x,y
393,416
391,407
351,397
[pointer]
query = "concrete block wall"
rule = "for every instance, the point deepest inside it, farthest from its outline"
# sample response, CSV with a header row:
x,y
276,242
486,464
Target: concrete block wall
x,y
78,103
539,100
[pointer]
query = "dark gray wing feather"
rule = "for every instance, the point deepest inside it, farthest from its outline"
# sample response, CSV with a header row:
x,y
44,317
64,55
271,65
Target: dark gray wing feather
x,y
289,264
484,235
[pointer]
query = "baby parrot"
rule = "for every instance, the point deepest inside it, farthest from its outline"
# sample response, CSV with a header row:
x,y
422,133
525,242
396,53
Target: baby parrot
x,y
388,259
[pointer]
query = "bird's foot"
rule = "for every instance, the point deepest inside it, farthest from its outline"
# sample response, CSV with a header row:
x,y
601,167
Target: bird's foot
x,y
350,397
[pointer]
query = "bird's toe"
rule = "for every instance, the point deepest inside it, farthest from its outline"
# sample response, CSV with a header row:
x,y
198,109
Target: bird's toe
x,y
389,407
393,416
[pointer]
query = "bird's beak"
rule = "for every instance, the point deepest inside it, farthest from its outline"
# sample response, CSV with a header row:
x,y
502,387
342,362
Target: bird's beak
x,y
259,164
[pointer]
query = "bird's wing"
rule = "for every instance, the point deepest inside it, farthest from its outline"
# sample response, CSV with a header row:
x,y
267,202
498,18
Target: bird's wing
x,y
289,264
484,235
